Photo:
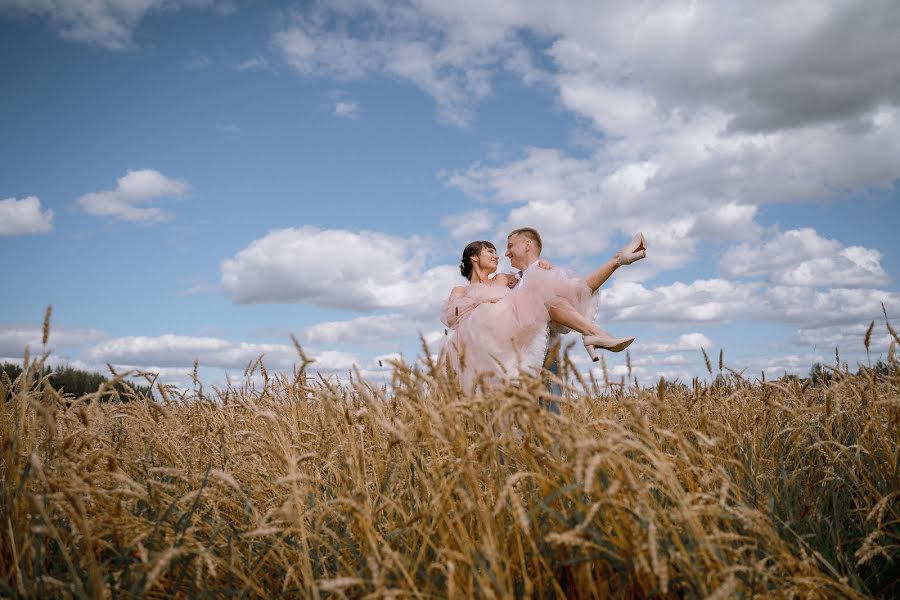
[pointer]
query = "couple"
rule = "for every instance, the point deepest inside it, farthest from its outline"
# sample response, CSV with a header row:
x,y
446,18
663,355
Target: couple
x,y
499,322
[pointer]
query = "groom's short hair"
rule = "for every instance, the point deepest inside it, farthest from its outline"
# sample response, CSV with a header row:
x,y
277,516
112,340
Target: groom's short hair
x,y
530,233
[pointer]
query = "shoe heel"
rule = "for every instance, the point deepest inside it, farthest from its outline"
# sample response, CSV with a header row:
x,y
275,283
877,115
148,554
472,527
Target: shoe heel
x,y
592,352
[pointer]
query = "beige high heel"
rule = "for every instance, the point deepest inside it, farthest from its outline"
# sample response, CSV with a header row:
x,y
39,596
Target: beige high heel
x,y
633,251
606,342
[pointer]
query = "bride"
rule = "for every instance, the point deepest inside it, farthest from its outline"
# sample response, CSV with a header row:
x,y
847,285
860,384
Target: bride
x,y
500,328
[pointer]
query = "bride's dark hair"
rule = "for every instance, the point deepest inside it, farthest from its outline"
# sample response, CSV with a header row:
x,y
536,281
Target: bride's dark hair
x,y
473,249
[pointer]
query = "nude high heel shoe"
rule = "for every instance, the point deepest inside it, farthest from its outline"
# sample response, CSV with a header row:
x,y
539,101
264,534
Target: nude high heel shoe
x,y
633,251
606,342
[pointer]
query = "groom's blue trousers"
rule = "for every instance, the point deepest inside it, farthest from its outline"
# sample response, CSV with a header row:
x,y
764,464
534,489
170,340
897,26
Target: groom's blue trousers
x,y
553,367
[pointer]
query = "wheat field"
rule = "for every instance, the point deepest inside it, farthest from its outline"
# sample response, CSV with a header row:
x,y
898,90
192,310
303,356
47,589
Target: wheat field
x,y
294,486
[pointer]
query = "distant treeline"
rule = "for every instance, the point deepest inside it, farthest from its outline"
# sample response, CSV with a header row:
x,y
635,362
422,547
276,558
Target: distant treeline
x,y
77,383
74,382
819,374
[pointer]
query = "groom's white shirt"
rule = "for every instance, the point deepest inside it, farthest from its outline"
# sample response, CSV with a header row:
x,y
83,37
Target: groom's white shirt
x,y
555,329
524,271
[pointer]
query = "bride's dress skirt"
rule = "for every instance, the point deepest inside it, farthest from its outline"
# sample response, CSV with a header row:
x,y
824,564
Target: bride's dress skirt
x,y
507,337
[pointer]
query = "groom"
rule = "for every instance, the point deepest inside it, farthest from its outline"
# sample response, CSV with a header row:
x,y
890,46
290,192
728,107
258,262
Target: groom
x,y
523,248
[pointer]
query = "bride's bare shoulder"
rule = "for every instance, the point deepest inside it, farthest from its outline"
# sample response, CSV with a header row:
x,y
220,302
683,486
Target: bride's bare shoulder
x,y
458,290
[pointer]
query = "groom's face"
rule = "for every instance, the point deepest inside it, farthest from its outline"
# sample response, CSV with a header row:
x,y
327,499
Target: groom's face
x,y
517,251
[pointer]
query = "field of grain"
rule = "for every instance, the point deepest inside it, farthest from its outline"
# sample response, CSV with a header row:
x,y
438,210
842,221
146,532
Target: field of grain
x,y
299,487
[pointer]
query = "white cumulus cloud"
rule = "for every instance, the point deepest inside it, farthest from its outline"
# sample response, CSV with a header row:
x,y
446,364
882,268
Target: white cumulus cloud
x,y
776,366
466,227
580,205
676,360
721,300
365,329
337,268
18,217
726,222
179,351
810,308
846,338
404,45
14,339
685,342
703,300
804,258
133,191
106,23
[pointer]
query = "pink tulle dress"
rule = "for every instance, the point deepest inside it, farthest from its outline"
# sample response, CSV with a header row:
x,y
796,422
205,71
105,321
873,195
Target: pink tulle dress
x,y
509,336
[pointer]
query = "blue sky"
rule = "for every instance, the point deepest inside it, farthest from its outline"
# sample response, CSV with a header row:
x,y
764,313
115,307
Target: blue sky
x,y
200,179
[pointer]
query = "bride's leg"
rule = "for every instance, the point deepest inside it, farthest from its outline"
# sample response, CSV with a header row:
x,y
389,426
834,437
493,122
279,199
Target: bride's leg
x,y
562,312
598,277
633,251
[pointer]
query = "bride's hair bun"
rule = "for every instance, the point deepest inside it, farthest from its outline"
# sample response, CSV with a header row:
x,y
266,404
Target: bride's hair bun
x,y
473,249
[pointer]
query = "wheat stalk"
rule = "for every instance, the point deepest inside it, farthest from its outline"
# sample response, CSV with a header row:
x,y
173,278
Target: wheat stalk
x,y
45,335
868,340
706,360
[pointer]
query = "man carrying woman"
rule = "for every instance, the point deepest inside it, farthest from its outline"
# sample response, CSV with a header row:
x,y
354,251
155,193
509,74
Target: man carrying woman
x,y
499,321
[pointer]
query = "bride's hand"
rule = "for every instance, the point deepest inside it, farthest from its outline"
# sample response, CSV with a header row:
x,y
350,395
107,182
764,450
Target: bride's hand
x,y
545,264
